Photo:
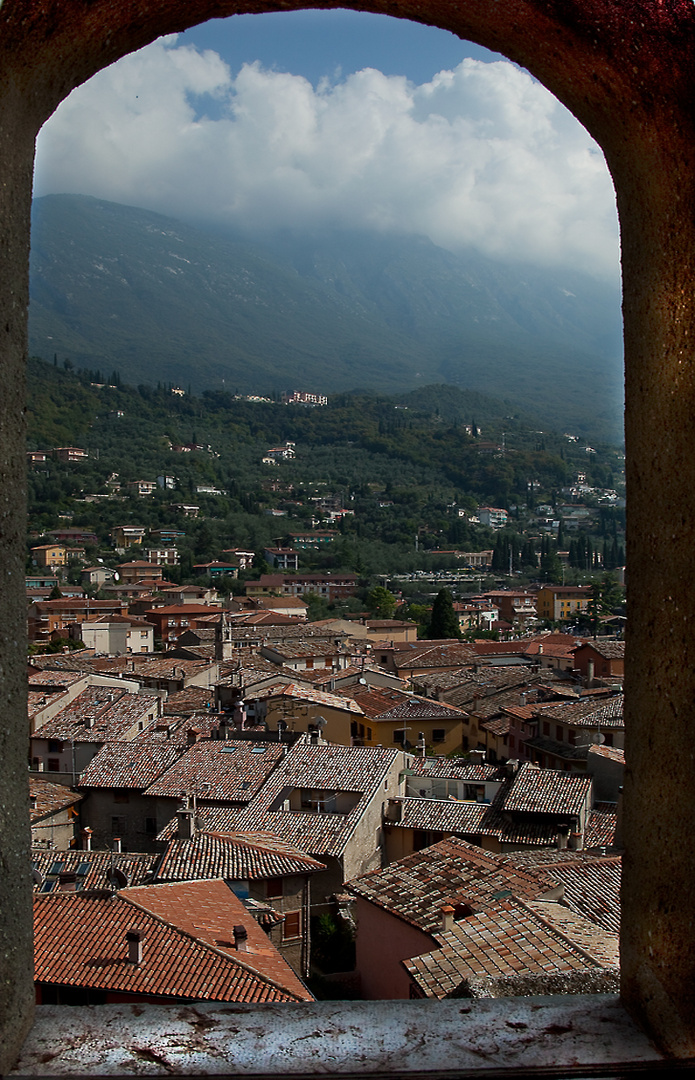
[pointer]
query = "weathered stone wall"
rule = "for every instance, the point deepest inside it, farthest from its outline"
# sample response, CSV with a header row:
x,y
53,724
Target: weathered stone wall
x,y
626,69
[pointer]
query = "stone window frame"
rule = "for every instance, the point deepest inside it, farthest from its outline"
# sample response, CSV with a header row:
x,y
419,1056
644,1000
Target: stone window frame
x,y
641,114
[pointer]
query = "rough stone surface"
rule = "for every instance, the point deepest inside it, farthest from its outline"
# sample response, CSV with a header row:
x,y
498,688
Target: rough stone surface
x,y
394,1038
626,68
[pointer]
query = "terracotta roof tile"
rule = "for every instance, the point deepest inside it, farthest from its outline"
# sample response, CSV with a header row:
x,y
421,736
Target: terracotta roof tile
x,y
92,869
510,940
236,856
48,798
80,940
450,872
234,771
357,771
546,791
97,715
133,765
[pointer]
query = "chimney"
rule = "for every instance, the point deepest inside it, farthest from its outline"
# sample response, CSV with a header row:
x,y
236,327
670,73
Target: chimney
x,y
562,834
241,939
87,839
67,881
186,824
540,648
117,844
448,913
135,939
576,841
192,735
589,674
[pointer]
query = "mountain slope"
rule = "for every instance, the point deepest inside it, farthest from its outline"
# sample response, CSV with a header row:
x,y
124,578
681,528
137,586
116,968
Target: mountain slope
x,y
119,287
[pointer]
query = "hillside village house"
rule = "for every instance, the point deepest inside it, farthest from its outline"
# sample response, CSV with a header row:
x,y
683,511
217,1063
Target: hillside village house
x,y
601,660
115,634
329,586
45,617
51,555
124,536
492,516
70,454
561,602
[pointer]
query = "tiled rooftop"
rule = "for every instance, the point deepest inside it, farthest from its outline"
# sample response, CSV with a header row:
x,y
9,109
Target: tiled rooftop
x,y
47,798
360,770
442,815
591,882
373,700
234,771
510,940
545,791
191,699
611,650
591,713
235,857
450,872
129,765
418,708
600,830
299,692
456,769
80,940
449,655
110,711
91,868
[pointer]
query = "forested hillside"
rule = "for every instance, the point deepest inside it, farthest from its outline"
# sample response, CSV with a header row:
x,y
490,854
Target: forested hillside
x,y
161,300
408,467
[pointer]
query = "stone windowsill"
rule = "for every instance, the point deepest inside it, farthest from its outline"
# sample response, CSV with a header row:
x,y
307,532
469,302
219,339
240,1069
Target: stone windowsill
x,y
558,1036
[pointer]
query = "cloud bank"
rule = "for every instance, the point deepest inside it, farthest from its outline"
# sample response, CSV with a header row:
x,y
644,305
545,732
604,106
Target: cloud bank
x,y
481,156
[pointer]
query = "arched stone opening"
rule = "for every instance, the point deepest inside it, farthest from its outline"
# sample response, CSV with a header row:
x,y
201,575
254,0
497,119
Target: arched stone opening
x,y
626,69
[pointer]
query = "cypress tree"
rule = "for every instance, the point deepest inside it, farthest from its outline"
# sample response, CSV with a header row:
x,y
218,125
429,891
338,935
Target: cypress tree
x,y
444,621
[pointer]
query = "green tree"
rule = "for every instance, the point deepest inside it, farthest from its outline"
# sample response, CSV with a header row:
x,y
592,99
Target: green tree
x,y
444,622
381,602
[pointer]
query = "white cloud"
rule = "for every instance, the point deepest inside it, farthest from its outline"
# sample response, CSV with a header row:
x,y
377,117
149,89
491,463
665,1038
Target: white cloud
x,y
482,155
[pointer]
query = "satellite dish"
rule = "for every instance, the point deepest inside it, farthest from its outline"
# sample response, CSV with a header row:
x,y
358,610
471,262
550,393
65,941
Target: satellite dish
x,y
116,878
363,682
36,876
116,576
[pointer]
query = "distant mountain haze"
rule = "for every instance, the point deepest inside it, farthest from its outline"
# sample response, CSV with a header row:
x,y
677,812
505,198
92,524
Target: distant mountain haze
x,y
117,287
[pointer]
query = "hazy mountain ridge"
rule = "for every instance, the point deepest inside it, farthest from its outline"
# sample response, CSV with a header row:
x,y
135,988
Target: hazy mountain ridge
x,y
120,287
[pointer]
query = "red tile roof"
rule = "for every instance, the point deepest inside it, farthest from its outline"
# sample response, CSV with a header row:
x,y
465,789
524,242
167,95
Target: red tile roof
x,y
129,765
234,771
235,857
188,948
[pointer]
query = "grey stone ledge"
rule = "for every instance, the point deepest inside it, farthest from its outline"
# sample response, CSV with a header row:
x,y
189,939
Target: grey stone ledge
x,y
349,1038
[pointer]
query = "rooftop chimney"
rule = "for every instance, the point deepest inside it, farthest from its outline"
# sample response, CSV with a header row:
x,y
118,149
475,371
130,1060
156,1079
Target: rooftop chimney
x,y
241,939
67,881
117,844
135,939
562,834
186,824
87,839
448,913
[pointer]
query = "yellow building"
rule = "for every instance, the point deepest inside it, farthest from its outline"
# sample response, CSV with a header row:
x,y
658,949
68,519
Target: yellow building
x,y
560,602
49,555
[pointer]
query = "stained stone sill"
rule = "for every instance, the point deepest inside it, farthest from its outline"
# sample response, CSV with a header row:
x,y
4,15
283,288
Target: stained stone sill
x,y
578,1035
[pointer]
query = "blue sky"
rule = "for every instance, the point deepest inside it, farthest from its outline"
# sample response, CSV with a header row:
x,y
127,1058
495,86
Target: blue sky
x,y
316,44
338,119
